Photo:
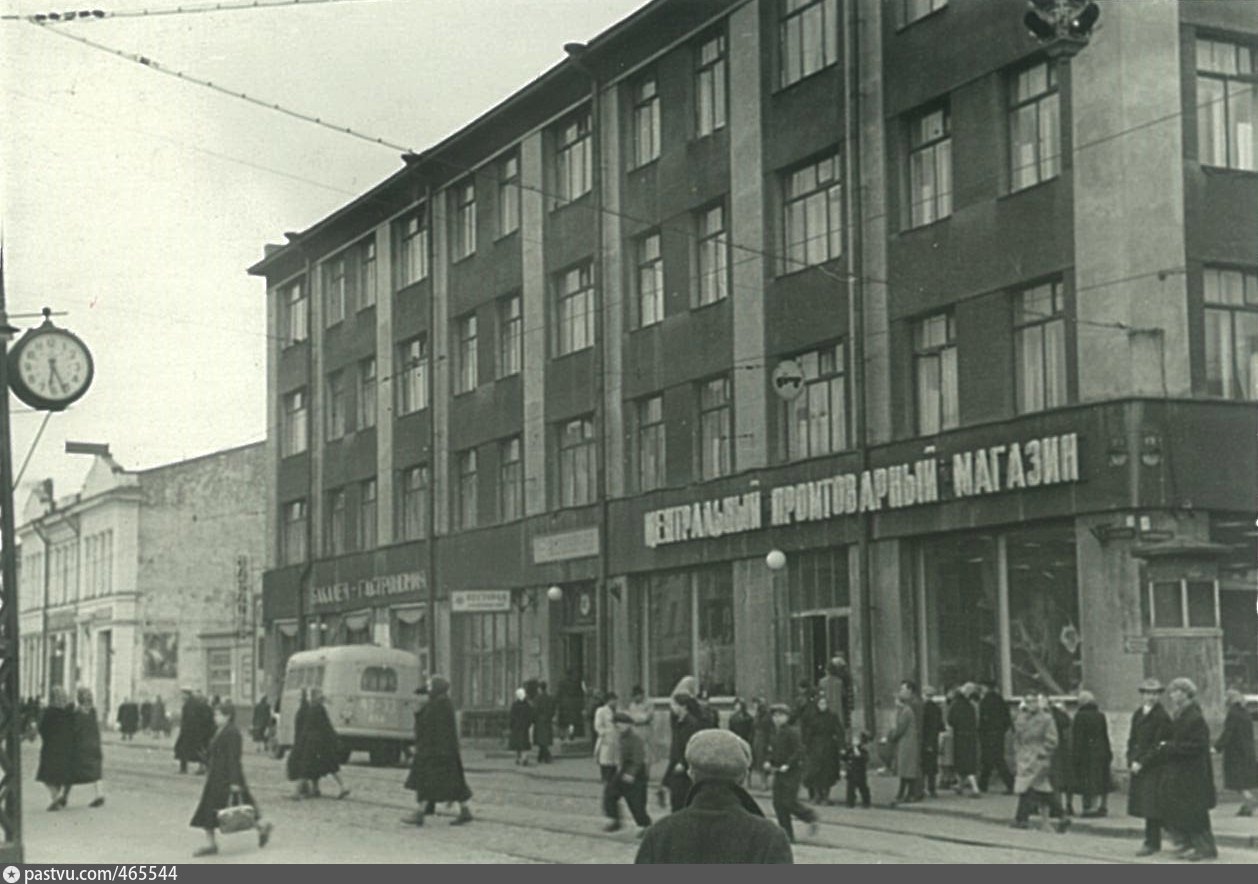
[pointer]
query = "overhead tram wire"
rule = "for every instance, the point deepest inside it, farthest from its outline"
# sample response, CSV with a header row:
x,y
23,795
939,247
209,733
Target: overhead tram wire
x,y
752,251
54,17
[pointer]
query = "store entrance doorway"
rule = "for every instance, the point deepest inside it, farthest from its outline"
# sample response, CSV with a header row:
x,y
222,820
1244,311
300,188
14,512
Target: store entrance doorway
x,y
820,636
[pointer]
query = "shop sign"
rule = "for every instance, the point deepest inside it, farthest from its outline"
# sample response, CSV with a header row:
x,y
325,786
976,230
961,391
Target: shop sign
x,y
367,589
60,620
1051,460
579,544
1135,644
480,601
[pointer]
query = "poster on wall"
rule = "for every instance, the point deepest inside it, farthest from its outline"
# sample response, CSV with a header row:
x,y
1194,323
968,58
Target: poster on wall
x,y
161,655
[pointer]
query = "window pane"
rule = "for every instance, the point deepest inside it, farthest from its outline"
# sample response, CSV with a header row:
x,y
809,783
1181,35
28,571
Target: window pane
x,y
928,394
715,663
1220,374
1044,625
950,409
1055,364
669,618
1029,353
1246,328
1211,122
961,608
1023,139
1168,612
1201,604
1050,140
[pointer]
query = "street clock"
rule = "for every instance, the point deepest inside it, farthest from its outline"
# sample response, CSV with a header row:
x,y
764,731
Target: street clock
x,y
49,367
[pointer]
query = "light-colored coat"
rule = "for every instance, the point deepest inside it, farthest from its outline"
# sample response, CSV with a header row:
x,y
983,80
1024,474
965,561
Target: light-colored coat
x,y
1034,740
607,747
908,743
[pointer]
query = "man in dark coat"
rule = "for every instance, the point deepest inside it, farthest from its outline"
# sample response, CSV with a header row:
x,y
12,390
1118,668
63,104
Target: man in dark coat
x,y
686,720
1150,726
836,687
1062,773
1091,756
128,719
1185,791
146,716
932,727
225,781
1236,743
196,728
963,719
86,768
543,723
322,757
56,750
994,722
261,721
720,823
571,704
437,768
786,762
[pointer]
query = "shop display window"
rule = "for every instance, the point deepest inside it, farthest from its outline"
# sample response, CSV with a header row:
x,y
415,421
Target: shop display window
x,y
714,593
487,650
669,631
961,609
687,621
1238,598
1044,631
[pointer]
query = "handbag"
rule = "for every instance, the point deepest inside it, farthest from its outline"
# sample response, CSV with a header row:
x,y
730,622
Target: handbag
x,y
237,816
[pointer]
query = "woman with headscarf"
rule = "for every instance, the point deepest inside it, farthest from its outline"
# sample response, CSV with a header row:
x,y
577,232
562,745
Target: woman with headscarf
x,y
822,733
225,781
437,769
1091,756
519,725
1236,743
741,722
88,758
56,750
323,749
1035,740
295,767
963,719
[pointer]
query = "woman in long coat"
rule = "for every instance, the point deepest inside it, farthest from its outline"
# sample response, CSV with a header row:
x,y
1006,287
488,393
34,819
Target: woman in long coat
x,y
543,723
1150,725
521,721
295,766
56,750
932,726
1035,741
323,748
224,781
762,732
905,737
88,758
128,719
1091,756
1063,772
823,744
963,720
1240,772
1185,790
437,768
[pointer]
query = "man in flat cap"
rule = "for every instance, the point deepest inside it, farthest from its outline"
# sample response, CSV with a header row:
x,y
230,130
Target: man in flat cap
x,y
720,823
1150,725
786,762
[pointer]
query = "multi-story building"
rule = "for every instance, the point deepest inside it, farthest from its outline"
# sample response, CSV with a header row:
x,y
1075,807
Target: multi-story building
x,y
963,328
146,581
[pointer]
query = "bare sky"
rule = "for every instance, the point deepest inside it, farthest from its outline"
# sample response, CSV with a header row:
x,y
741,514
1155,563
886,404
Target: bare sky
x,y
134,201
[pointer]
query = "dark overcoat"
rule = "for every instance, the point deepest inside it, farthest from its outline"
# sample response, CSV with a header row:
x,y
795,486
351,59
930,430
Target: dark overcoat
x,y
1091,755
223,770
146,715
128,718
963,719
87,752
932,727
823,744
1147,731
786,749
994,722
1062,770
682,730
56,750
720,823
520,722
1185,790
437,768
742,724
544,720
297,762
1237,745
261,720
196,728
761,732
322,754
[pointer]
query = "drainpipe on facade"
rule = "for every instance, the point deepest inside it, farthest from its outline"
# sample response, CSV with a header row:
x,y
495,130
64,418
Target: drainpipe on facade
x,y
856,332
307,571
432,441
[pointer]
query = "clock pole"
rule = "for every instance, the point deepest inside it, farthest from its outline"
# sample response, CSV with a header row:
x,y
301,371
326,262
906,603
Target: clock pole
x,y
10,699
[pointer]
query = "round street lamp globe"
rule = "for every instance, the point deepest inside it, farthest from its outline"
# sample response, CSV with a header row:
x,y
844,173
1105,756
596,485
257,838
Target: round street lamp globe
x,y
554,593
776,560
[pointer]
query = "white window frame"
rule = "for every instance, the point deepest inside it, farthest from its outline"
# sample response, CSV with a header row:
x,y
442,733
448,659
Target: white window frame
x,y
463,243
413,238
468,488
930,166
1228,79
1184,628
1228,304
368,516
367,387
337,411
575,304
649,278
651,435
710,86
1041,332
509,194
716,452
510,335
947,355
1045,103
510,479
296,418
574,159
574,441
294,514
414,486
412,385
646,122
712,256
467,375
808,190
800,443
296,310
808,39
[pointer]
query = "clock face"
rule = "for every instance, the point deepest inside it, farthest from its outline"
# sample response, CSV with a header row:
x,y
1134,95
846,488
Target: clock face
x,y
53,368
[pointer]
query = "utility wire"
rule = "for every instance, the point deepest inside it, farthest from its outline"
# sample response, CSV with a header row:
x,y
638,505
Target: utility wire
x,y
82,15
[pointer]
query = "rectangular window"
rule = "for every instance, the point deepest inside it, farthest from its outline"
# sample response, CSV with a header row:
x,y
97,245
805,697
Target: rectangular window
x,y
912,10
930,167
464,233
412,503
646,122
334,533
816,420
335,284
689,629
367,273
465,354
465,504
296,313
367,393
650,280
716,433
574,310
410,260
336,405
296,427
509,195
713,256
488,650
577,484
574,160
1231,298
935,372
1184,604
510,480
1034,127
510,336
367,534
710,86
650,426
1227,104
412,369
810,38
1039,340
813,213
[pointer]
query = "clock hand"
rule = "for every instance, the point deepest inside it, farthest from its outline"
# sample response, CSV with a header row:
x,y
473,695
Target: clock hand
x,y
53,373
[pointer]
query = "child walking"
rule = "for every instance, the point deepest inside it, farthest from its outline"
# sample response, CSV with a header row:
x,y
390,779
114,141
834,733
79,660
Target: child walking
x,y
786,762
856,757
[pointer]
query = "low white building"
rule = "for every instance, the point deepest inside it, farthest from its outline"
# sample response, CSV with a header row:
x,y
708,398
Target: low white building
x,y
145,581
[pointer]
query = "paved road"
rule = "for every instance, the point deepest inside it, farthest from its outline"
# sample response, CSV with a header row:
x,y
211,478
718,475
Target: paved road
x,y
520,817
